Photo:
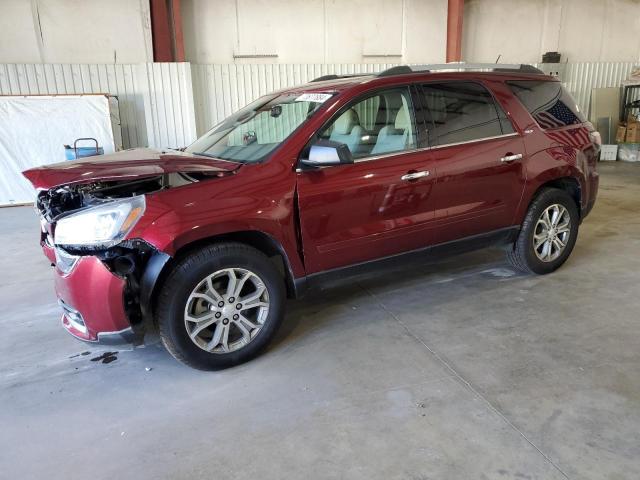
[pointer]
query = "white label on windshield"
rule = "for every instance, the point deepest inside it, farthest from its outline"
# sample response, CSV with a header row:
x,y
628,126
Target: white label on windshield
x,y
314,97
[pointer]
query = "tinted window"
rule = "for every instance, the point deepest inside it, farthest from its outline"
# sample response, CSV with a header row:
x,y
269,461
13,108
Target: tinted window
x,y
461,112
379,124
548,102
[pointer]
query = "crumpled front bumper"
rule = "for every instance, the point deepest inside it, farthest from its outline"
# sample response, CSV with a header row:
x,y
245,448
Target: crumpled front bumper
x,y
92,299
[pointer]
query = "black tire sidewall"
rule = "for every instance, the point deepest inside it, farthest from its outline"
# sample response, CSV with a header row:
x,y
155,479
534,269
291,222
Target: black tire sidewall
x,y
191,271
543,201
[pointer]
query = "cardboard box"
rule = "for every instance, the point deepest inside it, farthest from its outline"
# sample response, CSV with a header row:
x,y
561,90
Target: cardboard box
x,y
621,133
609,152
633,133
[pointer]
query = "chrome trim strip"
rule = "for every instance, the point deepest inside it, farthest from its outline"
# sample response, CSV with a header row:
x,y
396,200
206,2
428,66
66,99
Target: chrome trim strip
x,y
507,135
390,154
435,147
415,150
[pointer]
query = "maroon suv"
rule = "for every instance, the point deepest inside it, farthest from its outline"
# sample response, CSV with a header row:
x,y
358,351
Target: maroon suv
x,y
340,174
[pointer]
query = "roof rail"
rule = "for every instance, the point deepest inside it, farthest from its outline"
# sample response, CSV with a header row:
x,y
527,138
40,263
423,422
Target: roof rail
x,y
337,77
460,67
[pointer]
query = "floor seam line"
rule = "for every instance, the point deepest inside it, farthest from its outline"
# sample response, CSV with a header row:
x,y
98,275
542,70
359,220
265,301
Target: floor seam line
x,y
465,382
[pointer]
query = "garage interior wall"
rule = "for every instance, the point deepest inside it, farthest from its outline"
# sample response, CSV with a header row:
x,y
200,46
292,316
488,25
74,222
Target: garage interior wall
x,y
407,31
92,46
314,31
75,31
321,31
522,30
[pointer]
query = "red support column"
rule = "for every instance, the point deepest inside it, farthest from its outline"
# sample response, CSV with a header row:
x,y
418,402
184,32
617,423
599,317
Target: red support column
x,y
178,40
166,31
454,30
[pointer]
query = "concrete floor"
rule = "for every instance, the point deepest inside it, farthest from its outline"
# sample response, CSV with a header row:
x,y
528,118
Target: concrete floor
x,y
458,369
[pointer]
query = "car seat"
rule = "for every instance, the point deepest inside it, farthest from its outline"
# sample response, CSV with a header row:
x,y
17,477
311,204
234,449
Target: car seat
x,y
347,130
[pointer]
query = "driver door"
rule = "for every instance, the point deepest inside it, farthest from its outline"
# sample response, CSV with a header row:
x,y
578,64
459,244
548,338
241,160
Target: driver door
x,y
381,204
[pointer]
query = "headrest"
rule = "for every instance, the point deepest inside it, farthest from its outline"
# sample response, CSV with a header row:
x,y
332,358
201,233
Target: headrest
x,y
345,122
402,119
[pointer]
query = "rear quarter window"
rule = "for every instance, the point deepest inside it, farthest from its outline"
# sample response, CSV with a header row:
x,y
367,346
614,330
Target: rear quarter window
x,y
548,102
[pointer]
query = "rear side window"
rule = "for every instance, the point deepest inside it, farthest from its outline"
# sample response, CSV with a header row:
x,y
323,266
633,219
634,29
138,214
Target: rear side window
x,y
548,102
462,112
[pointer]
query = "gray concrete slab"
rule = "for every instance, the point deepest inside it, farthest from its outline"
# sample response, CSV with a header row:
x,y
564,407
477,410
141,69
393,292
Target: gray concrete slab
x,y
453,369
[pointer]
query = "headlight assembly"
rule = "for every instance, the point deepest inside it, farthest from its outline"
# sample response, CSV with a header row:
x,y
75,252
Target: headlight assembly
x,y
101,226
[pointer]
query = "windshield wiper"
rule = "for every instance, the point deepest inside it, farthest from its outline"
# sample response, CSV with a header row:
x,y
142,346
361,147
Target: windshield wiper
x,y
208,155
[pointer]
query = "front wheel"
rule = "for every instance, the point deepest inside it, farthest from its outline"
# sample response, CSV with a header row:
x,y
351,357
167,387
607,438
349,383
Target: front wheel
x,y
220,306
548,233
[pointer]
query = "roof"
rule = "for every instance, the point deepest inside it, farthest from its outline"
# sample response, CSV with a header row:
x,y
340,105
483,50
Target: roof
x,y
339,82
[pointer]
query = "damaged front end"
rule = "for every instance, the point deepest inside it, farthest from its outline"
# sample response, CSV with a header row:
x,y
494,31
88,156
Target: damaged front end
x,y
104,273
104,280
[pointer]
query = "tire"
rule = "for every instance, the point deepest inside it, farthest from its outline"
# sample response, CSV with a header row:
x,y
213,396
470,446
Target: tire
x,y
524,256
189,294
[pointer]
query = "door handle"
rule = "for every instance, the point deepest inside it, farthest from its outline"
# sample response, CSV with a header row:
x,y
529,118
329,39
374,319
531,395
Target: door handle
x,y
511,158
415,175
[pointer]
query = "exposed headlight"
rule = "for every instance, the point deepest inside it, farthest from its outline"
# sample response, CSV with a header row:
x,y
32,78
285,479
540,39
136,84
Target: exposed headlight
x,y
101,226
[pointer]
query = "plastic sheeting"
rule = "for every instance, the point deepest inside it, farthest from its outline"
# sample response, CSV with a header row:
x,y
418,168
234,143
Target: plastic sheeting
x,y
34,130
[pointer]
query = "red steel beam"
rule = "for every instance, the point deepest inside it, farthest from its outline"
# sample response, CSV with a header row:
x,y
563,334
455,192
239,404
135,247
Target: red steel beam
x,y
178,40
455,11
160,31
166,31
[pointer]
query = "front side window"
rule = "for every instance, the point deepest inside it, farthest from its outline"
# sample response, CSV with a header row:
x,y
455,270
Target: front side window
x,y
379,124
548,103
463,112
255,131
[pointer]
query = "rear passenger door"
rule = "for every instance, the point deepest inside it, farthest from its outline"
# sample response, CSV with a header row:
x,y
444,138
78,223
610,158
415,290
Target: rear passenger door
x,y
479,157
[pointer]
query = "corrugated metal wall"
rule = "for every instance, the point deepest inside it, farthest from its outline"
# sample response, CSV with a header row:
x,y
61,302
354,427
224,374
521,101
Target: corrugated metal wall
x,y
219,90
165,104
168,102
155,100
581,78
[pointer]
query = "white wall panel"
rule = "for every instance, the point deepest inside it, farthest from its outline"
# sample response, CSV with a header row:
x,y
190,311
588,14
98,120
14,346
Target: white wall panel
x,y
581,78
164,104
314,31
75,31
169,111
155,100
521,31
220,90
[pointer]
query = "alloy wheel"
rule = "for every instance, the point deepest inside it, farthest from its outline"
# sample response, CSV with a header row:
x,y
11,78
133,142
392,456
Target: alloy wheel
x,y
551,234
226,310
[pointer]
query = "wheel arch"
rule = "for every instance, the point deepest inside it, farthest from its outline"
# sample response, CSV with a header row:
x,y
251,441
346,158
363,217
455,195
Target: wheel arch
x,y
569,183
261,241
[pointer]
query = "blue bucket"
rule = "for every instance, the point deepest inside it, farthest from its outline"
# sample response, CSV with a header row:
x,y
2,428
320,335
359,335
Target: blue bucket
x,y
75,152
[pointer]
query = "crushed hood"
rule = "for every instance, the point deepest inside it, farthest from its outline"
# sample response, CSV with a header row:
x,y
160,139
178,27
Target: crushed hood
x,y
128,164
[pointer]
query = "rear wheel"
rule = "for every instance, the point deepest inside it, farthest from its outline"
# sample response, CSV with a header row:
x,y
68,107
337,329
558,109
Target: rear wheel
x,y
220,306
548,233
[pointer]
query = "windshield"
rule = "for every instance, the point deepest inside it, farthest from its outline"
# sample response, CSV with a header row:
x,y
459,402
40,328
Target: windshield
x,y
255,131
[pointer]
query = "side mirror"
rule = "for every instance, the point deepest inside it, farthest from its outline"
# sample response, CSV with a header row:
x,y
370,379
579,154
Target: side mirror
x,y
326,153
